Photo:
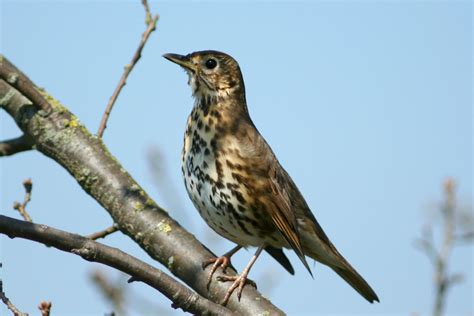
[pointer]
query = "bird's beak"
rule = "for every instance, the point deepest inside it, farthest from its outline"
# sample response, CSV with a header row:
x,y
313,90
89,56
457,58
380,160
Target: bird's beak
x,y
181,60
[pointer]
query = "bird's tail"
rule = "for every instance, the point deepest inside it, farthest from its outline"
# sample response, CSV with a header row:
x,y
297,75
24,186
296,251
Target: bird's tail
x,y
339,264
350,275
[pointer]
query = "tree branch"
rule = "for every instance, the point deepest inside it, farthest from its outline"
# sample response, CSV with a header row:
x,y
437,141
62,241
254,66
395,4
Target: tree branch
x,y
441,272
439,256
103,233
21,208
64,139
8,303
151,26
466,237
93,251
114,294
20,82
15,145
45,308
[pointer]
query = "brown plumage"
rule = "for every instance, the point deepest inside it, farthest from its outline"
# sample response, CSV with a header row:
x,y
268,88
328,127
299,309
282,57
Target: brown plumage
x,y
236,182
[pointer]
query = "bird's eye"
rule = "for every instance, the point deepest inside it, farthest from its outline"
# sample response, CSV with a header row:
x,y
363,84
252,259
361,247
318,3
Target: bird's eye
x,y
211,63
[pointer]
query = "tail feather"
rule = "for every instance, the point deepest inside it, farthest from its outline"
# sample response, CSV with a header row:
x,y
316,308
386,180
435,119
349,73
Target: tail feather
x,y
357,282
280,256
329,256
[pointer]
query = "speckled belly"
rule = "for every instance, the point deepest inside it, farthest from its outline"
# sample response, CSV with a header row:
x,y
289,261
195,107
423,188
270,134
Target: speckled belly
x,y
221,201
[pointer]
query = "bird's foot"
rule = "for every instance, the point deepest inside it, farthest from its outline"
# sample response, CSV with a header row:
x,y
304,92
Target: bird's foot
x,y
222,262
239,283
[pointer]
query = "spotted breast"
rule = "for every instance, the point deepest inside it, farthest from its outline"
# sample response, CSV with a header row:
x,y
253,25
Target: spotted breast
x,y
216,179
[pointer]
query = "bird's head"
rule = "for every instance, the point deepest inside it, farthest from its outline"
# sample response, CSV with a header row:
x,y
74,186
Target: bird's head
x,y
211,73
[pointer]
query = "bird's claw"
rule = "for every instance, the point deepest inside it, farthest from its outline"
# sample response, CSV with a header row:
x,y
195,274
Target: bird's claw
x,y
239,283
222,262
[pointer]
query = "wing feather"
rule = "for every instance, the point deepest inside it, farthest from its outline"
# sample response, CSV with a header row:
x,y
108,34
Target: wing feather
x,y
282,214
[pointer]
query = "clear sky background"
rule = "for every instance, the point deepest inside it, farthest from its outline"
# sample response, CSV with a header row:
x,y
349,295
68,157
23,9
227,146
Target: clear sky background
x,y
367,104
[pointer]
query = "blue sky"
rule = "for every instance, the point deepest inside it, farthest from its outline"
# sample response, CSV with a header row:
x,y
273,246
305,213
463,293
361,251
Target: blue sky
x,y
367,104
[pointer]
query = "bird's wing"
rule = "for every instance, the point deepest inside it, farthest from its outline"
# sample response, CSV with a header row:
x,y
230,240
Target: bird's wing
x,y
302,210
276,189
280,210
286,206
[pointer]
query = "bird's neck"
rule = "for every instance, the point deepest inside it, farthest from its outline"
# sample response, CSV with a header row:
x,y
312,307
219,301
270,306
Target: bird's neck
x,y
228,103
214,120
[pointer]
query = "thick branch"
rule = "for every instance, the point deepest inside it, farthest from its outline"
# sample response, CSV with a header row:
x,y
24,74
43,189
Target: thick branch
x,y
181,296
15,145
61,137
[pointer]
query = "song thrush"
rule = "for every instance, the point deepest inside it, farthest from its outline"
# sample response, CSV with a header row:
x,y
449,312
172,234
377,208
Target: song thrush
x,y
236,182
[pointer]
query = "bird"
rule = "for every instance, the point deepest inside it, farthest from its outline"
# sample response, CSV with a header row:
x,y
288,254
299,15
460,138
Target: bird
x,y
237,184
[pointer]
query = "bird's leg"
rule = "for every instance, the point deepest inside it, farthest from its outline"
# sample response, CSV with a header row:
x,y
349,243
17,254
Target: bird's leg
x,y
222,261
239,280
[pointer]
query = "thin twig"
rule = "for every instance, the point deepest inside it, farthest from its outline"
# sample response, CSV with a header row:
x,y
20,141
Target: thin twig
x,y
441,272
103,233
21,208
439,256
113,293
426,244
147,11
45,308
159,173
151,26
15,145
9,304
93,251
122,297
466,237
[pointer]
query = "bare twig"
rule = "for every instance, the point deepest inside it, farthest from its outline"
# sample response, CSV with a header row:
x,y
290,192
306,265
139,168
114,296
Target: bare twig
x,y
426,244
103,233
442,278
8,303
147,11
467,237
158,170
151,26
439,257
113,293
21,207
122,297
45,308
15,145
93,251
